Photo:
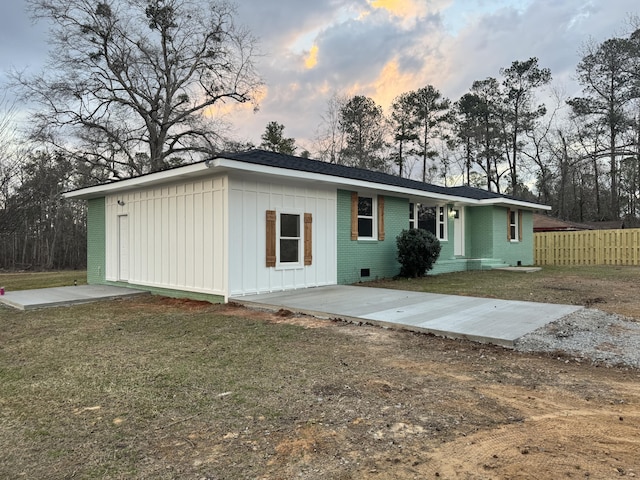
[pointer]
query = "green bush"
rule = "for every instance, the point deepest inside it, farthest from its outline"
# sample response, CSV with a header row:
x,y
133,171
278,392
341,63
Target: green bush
x,y
418,250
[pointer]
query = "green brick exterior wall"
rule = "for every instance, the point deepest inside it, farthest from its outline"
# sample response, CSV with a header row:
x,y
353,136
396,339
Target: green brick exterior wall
x,y
513,252
480,231
380,257
487,236
96,241
446,246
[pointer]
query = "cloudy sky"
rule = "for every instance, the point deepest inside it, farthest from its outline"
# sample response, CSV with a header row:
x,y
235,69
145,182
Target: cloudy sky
x,y
378,48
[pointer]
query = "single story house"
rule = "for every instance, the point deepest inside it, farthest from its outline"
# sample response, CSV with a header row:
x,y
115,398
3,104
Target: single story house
x,y
257,221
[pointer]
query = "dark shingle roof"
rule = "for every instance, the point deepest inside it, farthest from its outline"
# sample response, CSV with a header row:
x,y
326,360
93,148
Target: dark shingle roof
x,y
279,160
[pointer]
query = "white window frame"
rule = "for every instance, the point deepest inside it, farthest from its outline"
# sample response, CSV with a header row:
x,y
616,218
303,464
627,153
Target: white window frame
x,y
441,213
280,265
413,212
514,228
442,220
373,217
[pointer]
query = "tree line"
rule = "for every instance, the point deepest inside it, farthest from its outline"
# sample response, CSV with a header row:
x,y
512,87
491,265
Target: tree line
x,y
580,155
135,86
510,134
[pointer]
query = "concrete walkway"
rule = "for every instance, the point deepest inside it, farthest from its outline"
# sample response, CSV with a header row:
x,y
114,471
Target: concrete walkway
x,y
485,320
61,296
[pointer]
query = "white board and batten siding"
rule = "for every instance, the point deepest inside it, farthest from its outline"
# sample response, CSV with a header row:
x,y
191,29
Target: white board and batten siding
x,y
176,236
249,200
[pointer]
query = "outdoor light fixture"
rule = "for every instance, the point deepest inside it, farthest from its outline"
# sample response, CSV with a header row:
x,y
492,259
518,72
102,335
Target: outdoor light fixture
x,y
452,213
121,203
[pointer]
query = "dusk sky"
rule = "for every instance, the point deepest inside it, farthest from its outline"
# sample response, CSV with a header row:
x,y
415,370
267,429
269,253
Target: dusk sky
x,y
378,48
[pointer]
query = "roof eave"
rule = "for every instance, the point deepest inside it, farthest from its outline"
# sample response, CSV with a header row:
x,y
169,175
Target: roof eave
x,y
508,202
157,178
226,164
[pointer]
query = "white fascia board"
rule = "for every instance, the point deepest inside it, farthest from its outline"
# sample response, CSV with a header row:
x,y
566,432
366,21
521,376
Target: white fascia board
x,y
507,202
226,164
166,176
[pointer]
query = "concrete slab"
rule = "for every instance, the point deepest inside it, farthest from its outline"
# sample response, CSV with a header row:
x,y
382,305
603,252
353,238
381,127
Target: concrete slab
x,y
61,296
520,269
485,320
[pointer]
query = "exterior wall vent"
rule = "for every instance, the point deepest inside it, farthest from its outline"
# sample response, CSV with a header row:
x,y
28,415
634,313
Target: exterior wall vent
x,y
365,272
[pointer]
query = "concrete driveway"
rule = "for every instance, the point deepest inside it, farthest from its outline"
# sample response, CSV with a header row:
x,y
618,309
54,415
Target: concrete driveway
x,y
485,320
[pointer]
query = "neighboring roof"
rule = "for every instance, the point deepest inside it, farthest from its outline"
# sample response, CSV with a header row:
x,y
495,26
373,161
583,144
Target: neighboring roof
x,y
545,223
607,225
286,165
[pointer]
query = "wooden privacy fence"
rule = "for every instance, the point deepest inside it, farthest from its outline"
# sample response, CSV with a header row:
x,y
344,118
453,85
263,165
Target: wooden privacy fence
x,y
588,247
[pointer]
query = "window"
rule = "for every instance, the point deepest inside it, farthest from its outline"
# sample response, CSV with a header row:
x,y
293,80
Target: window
x,y
412,215
514,225
365,217
442,223
432,219
289,238
289,242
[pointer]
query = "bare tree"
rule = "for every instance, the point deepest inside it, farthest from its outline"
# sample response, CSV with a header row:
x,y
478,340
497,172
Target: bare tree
x,y
134,81
8,155
330,136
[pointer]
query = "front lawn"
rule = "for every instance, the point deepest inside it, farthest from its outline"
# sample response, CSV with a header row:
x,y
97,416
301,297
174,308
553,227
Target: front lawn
x,y
32,280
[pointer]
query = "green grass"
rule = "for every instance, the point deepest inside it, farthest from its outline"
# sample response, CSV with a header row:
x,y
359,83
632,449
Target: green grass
x,y
28,281
93,389
551,284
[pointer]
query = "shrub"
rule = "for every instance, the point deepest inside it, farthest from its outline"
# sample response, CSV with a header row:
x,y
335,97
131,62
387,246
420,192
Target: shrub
x,y
418,250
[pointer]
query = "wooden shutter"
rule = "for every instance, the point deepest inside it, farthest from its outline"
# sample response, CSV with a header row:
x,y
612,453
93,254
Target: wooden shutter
x,y
519,225
308,257
354,215
508,224
380,217
271,238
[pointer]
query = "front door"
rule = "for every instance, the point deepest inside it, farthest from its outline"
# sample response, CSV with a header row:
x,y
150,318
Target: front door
x,y
458,231
123,248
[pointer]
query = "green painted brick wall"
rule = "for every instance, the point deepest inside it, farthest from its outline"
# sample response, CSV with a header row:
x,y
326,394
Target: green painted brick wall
x,y
96,241
378,256
513,252
487,236
480,230
446,246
